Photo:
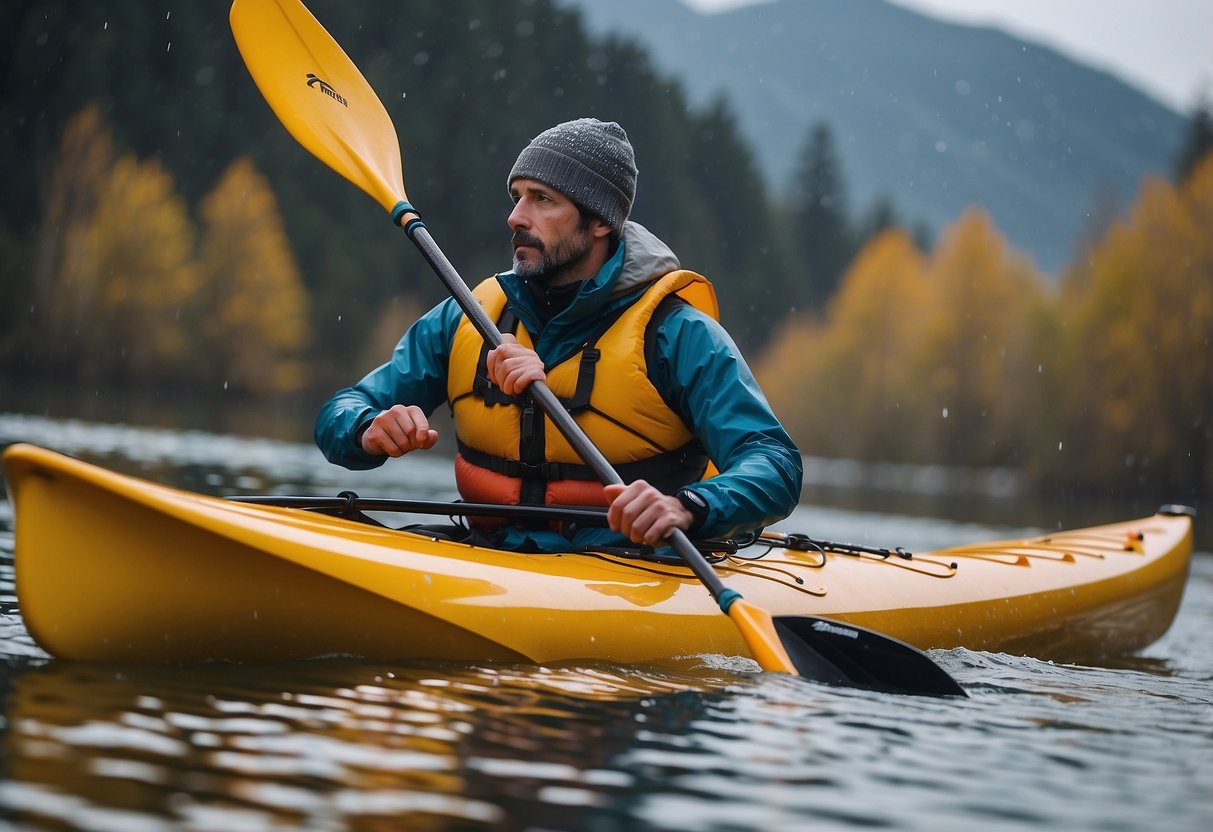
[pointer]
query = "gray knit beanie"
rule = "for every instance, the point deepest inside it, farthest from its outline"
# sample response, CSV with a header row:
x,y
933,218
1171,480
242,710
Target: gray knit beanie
x,y
587,160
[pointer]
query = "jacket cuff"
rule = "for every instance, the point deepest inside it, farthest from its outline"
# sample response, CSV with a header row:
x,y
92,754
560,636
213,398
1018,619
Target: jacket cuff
x,y
695,503
357,437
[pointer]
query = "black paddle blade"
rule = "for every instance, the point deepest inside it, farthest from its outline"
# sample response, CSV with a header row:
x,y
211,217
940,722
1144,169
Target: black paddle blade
x,y
843,654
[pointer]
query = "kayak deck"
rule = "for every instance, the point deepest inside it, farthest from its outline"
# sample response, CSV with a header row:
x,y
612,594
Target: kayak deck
x,y
111,567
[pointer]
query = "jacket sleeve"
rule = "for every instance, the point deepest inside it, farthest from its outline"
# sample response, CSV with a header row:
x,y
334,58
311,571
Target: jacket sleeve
x,y
415,375
703,377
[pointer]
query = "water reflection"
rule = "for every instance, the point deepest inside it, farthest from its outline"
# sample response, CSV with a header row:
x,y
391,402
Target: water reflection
x,y
350,745
224,746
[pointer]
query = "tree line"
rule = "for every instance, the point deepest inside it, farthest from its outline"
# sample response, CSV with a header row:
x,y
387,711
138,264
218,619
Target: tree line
x,y
159,227
467,83
963,354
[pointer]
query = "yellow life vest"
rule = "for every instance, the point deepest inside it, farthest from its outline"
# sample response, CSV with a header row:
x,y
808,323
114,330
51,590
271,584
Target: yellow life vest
x,y
509,453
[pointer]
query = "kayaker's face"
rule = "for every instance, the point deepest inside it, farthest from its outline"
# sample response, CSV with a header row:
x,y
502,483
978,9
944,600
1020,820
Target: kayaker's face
x,y
552,241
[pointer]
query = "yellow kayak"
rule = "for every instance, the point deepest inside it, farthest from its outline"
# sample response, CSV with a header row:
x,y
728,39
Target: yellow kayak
x,y
111,567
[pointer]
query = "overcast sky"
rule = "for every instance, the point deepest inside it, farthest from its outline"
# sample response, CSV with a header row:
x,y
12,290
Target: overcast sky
x,y
1164,47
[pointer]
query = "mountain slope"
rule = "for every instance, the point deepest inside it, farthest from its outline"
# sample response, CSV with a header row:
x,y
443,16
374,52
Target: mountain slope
x,y
935,115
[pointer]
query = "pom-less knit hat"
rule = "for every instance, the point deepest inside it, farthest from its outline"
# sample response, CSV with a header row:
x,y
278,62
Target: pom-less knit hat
x,y
587,160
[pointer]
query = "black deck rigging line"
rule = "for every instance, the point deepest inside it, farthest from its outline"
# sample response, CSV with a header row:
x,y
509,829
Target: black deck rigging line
x,y
804,543
349,505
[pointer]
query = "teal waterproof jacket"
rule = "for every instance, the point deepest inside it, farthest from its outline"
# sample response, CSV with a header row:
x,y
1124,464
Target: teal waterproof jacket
x,y
696,367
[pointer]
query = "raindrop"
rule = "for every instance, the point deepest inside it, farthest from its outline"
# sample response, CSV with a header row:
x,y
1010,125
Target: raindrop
x,y
169,47
945,413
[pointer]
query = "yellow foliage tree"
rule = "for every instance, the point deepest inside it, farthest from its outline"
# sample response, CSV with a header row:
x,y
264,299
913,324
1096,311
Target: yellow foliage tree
x,y
254,320
865,397
66,306
1138,347
126,276
977,355
919,359
788,374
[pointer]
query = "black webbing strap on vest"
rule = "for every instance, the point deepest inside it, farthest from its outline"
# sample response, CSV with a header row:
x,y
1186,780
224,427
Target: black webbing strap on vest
x,y
482,387
490,393
667,471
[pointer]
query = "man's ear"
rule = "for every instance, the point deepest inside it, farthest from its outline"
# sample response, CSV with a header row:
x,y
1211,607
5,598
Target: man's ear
x,y
599,228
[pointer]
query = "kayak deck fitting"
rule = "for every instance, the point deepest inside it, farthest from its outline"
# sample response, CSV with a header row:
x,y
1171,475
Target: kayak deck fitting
x,y
114,568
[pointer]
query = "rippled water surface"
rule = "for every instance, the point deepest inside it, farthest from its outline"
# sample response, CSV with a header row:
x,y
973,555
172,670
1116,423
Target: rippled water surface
x,y
344,744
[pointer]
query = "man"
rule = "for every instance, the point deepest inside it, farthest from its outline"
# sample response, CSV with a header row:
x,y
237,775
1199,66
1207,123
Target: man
x,y
598,308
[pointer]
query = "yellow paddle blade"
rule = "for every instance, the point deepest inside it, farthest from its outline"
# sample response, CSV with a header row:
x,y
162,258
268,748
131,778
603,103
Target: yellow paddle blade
x,y
319,95
758,630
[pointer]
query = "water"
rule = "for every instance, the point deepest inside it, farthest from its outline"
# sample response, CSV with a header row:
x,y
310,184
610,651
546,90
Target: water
x,y
335,745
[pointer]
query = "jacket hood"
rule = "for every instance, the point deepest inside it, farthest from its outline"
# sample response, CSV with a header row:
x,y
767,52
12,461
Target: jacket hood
x,y
645,259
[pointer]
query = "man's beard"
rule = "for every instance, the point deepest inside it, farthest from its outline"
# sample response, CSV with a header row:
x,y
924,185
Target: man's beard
x,y
553,262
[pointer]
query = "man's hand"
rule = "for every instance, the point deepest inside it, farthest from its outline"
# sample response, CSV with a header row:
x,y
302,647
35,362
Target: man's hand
x,y
513,367
643,514
397,431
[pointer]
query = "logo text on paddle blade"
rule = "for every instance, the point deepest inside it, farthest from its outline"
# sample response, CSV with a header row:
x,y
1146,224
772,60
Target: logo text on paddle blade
x,y
326,88
834,629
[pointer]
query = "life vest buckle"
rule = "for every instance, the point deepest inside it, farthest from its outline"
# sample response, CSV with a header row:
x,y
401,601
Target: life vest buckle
x,y
528,470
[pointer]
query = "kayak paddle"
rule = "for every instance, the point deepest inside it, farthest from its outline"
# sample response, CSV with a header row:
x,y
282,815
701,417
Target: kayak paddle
x,y
328,106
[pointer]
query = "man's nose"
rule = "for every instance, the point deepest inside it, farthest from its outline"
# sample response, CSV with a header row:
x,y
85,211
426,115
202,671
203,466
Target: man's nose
x,y
518,217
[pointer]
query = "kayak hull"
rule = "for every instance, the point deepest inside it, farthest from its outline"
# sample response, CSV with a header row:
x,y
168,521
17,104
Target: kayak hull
x,y
114,568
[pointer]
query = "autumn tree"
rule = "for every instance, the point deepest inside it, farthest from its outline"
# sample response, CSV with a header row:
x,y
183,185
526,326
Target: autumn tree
x,y
919,359
60,309
116,264
864,396
1139,364
136,257
976,356
252,315
124,294
788,373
